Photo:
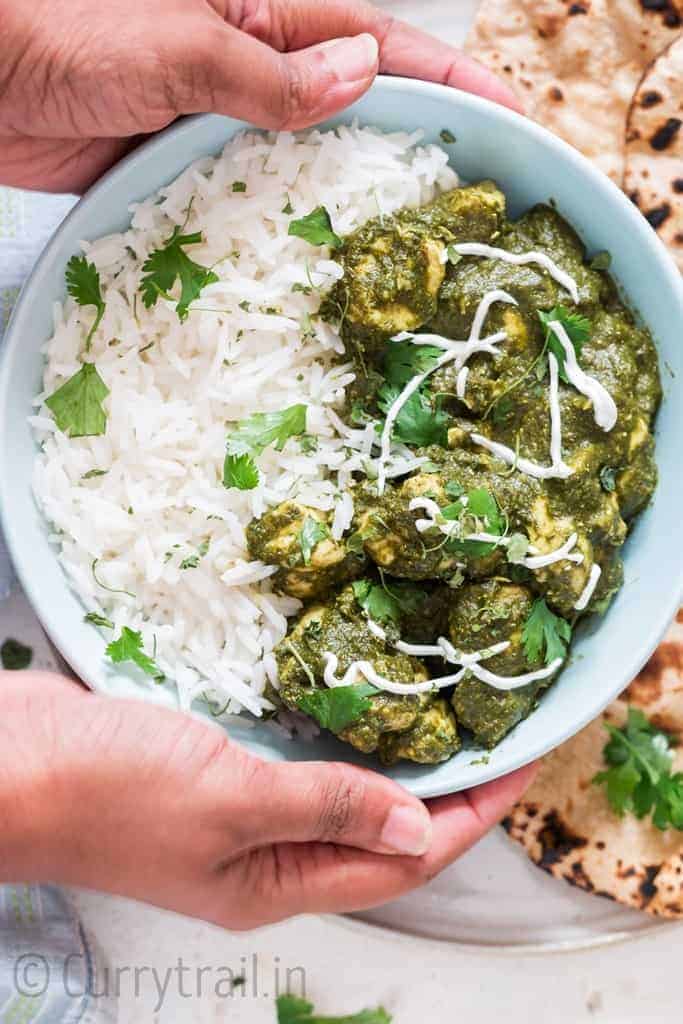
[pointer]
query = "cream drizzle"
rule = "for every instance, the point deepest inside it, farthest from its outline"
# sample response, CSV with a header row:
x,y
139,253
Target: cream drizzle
x,y
604,406
534,561
556,418
453,351
589,589
511,458
518,259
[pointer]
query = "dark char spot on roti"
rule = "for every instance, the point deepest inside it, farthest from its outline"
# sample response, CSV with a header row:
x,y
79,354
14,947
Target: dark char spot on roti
x,y
650,98
557,841
658,215
666,134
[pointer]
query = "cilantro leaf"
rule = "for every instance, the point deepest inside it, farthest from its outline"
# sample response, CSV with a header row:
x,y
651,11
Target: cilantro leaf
x,y
164,266
294,1010
545,634
403,361
92,473
638,778
83,285
578,330
453,489
287,208
15,656
316,228
265,428
384,603
447,136
310,535
337,707
239,186
128,647
417,423
453,256
479,511
240,471
77,404
98,620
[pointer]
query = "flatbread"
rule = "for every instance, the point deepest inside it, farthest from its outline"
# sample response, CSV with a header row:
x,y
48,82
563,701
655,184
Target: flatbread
x,y
653,174
576,64
566,825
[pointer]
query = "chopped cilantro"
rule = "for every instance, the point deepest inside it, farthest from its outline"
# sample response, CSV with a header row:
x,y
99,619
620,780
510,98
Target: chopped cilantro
x,y
77,404
92,473
447,136
287,208
244,305
517,548
98,620
386,604
310,535
338,707
403,361
638,778
262,429
240,471
164,266
502,410
578,330
308,443
454,490
128,647
316,228
294,1010
545,634
15,656
239,186
481,514
83,285
418,423
453,255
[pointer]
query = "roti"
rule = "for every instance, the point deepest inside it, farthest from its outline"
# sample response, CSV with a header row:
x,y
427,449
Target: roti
x,y
576,64
565,824
653,172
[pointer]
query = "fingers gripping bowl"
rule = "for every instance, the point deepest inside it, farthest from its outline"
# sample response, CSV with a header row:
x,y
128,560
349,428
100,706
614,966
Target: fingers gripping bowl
x,y
530,167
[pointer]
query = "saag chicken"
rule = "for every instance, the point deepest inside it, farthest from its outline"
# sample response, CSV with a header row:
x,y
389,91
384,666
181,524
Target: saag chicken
x,y
501,360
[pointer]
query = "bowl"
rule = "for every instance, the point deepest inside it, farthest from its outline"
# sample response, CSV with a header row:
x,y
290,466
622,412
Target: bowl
x,y
532,166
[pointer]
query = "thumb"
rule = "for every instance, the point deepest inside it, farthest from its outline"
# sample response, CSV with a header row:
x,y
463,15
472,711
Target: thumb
x,y
334,803
247,79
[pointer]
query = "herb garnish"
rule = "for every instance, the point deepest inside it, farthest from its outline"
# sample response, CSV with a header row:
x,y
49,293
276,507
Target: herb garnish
x,y
77,404
578,330
418,422
481,506
545,634
287,208
316,228
164,266
339,706
638,779
128,647
294,1010
240,471
98,620
83,285
239,186
310,535
385,605
15,656
265,428
92,473
447,136
403,361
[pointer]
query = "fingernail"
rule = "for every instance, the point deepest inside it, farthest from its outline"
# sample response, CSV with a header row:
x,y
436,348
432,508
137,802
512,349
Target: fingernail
x,y
407,830
352,59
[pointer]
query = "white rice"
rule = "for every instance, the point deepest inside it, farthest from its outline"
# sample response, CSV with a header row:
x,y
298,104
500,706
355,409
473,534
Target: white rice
x,y
214,627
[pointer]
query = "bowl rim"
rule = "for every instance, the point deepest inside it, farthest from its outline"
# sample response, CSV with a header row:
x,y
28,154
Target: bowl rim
x,y
10,353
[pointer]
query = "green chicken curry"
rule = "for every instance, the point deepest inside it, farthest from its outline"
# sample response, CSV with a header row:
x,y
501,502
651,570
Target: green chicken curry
x,y
526,401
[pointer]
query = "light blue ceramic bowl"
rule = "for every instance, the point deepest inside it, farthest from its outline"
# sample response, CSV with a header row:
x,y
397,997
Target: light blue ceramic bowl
x,y
531,166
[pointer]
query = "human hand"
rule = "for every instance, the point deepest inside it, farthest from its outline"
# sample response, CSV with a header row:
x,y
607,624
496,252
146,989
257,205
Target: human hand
x,y
128,798
82,80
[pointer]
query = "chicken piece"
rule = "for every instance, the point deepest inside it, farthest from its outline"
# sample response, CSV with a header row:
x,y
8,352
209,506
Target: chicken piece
x,y
341,628
433,739
297,539
483,614
393,267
